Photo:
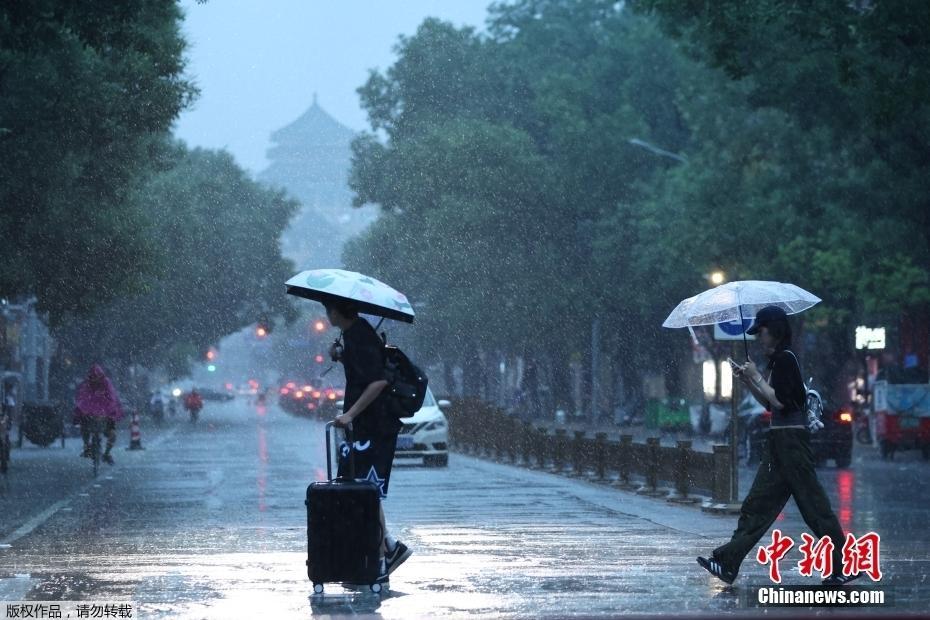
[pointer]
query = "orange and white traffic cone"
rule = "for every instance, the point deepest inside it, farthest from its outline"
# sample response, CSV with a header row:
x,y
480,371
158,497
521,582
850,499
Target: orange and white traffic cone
x,y
135,435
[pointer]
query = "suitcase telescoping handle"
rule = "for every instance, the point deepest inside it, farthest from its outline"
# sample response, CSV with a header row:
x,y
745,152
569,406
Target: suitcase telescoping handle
x,y
329,456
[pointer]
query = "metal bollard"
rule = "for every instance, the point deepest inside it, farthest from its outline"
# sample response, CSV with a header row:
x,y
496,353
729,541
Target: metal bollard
x,y
489,437
652,469
624,460
578,454
511,439
474,427
559,444
683,474
600,455
721,474
524,442
542,447
496,445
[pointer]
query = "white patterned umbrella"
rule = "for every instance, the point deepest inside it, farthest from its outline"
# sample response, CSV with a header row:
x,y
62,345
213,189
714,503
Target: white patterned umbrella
x,y
370,296
737,301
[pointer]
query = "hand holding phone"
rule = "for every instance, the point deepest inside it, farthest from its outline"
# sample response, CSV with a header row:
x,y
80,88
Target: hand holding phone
x,y
737,369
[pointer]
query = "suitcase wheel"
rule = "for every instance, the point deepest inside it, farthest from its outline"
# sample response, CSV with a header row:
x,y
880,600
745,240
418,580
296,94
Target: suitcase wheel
x,y
375,587
318,588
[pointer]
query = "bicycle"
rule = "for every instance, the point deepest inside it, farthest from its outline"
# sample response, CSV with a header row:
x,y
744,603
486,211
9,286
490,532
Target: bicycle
x,y
96,426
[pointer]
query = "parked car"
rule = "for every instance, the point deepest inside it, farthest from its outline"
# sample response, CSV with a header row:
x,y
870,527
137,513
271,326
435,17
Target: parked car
x,y
835,439
425,435
310,399
833,442
300,399
329,402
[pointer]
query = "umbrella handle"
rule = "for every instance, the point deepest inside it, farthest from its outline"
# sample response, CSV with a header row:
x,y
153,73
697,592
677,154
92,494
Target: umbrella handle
x,y
745,340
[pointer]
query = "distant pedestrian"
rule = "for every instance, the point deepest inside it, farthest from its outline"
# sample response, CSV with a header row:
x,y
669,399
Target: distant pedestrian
x,y
787,467
156,407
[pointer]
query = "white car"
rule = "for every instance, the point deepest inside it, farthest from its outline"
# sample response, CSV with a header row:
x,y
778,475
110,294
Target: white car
x,y
426,434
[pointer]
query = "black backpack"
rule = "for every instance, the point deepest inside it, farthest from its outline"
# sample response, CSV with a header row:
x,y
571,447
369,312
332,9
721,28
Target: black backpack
x,y
406,383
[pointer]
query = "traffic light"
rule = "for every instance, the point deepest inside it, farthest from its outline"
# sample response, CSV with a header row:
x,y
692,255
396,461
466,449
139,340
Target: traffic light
x,y
318,359
263,325
211,355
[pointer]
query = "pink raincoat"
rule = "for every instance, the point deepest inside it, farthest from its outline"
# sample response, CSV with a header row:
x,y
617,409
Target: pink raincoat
x,y
96,396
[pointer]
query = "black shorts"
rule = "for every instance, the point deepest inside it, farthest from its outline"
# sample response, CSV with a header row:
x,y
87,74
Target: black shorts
x,y
374,457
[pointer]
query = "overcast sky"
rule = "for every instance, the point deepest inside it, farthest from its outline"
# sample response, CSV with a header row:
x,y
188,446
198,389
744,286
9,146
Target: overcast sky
x,y
258,63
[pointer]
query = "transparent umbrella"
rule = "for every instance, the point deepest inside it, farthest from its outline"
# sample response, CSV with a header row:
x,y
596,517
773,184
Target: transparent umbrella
x,y
736,301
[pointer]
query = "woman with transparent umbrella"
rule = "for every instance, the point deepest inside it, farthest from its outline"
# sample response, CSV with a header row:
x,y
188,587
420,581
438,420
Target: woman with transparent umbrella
x,y
787,467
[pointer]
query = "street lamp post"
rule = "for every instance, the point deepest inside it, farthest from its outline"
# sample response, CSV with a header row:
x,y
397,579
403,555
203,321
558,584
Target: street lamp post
x,y
718,277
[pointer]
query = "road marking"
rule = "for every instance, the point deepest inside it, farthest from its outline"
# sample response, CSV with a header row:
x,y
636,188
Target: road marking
x,y
36,520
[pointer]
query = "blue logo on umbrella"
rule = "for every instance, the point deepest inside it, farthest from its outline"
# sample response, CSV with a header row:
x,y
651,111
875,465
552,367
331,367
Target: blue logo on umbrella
x,y
735,328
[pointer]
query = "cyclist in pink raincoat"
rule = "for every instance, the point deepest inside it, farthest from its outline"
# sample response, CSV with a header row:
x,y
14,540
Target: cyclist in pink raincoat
x,y
96,397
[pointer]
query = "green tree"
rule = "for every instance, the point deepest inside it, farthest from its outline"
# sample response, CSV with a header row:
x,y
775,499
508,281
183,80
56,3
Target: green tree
x,y
86,92
502,154
220,269
851,81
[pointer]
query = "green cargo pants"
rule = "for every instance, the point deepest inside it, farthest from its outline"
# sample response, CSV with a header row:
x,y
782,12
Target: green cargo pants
x,y
787,469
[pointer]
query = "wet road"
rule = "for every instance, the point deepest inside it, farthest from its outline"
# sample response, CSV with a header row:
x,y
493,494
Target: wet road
x,y
209,522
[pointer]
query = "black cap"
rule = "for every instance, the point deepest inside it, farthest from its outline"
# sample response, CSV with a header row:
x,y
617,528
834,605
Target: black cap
x,y
765,316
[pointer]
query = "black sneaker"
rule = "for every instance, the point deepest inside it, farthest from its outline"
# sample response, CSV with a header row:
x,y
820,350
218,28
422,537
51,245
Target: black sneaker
x,y
839,579
107,458
717,569
396,557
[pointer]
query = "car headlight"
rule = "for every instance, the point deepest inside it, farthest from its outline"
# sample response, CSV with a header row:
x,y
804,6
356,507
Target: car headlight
x,y
436,425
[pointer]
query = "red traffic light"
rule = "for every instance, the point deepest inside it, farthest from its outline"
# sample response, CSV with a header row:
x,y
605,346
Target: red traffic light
x,y
318,359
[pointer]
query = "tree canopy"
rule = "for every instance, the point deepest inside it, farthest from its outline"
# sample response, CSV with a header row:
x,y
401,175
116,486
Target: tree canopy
x,y
86,92
527,184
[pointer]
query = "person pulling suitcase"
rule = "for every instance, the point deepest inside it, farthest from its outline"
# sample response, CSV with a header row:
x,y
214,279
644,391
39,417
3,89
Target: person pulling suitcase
x,y
374,429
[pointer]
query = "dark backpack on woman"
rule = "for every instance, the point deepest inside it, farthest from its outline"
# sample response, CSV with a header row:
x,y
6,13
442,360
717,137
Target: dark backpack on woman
x,y
406,383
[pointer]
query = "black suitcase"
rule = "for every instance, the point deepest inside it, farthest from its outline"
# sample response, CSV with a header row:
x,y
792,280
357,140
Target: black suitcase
x,y
344,535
